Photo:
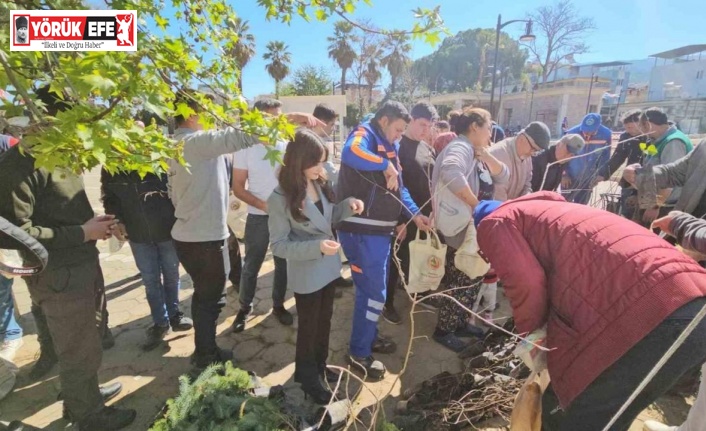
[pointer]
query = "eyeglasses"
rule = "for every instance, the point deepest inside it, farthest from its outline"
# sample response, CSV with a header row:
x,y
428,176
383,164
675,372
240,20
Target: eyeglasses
x,y
535,149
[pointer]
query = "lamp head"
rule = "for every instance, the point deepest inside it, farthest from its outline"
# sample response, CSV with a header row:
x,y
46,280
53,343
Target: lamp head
x,y
528,36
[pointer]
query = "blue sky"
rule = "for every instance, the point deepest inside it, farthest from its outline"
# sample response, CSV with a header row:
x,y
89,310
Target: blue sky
x,y
627,29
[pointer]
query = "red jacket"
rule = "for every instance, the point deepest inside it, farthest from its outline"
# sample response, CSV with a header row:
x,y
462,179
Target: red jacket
x,y
600,282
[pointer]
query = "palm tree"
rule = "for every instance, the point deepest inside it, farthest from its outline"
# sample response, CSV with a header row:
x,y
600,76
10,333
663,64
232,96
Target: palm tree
x,y
397,58
243,50
341,50
372,76
279,57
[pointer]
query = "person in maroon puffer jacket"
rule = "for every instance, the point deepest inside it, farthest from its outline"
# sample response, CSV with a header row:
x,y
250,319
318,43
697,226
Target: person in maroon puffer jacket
x,y
613,295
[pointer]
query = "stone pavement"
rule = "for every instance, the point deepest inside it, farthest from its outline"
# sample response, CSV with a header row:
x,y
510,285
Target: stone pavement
x,y
266,347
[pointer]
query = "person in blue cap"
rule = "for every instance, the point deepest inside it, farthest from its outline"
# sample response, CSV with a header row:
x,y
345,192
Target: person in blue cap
x,y
581,172
609,318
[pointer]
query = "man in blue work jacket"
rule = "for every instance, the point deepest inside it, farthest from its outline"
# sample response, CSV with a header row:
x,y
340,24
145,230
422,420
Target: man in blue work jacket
x,y
370,172
581,173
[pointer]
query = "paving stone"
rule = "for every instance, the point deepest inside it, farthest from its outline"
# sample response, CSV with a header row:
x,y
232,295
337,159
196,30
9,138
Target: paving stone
x,y
248,350
278,354
277,335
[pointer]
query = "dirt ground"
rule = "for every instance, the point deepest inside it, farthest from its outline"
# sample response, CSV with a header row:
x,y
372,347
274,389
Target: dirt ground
x,y
266,347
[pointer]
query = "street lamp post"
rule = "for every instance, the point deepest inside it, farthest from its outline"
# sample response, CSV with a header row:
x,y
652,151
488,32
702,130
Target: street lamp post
x,y
527,37
503,79
594,78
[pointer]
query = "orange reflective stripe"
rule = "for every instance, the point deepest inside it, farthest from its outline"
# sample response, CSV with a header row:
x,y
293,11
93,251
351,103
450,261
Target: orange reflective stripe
x,y
357,269
391,154
355,147
381,148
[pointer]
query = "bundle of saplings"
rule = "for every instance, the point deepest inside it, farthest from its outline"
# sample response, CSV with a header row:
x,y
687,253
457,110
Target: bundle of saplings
x,y
221,399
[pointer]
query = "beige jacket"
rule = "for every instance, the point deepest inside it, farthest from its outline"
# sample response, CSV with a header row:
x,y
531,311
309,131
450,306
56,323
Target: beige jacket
x,y
520,182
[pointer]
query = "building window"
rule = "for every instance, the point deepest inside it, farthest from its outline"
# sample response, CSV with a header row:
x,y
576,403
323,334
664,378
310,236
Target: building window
x,y
700,74
508,116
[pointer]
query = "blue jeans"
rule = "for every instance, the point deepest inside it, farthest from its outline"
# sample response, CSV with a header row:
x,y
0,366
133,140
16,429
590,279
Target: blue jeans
x,y
9,329
257,239
159,266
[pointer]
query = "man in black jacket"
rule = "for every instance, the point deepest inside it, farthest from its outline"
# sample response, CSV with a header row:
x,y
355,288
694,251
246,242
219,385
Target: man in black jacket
x,y
628,149
146,216
53,208
417,161
546,173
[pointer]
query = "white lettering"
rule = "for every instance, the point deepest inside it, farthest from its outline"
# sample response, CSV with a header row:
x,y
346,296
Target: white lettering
x,y
45,29
35,28
76,29
92,30
55,29
101,28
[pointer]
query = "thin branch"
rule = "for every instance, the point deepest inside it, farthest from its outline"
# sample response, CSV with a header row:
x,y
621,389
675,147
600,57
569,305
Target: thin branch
x,y
102,114
20,89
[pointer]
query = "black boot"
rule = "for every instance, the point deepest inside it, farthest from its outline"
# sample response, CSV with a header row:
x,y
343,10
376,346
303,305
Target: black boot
x,y
108,392
328,374
180,323
284,316
368,367
240,318
201,361
108,419
45,363
316,392
155,336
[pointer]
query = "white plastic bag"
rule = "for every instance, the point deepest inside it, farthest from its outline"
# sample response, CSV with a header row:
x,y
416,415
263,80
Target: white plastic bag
x,y
427,259
533,357
468,258
114,244
237,214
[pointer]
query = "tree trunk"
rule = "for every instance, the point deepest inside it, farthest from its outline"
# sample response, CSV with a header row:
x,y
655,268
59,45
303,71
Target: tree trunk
x,y
370,96
240,81
343,81
393,83
276,89
481,71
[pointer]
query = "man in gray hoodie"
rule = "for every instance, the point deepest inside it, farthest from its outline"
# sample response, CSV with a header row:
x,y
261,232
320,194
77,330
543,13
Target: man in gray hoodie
x,y
200,197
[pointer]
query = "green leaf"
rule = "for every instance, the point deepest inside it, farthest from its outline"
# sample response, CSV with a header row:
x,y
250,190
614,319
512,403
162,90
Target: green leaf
x,y
98,82
161,22
321,15
432,38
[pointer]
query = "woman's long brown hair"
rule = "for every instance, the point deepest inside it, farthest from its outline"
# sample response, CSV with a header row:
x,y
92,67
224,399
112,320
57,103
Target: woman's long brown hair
x,y
305,151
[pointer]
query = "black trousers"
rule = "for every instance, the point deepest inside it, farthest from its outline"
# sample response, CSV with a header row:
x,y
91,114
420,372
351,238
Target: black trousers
x,y
596,405
314,311
393,273
236,262
207,264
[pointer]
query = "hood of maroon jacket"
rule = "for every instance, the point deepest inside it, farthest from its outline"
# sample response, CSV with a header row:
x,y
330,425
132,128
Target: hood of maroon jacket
x,y
600,282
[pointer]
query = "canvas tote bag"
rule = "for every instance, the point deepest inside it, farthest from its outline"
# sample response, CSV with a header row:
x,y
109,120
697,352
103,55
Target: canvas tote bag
x,y
468,259
427,259
237,214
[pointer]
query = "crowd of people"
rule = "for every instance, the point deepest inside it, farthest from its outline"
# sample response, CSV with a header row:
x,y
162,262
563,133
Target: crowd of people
x,y
612,295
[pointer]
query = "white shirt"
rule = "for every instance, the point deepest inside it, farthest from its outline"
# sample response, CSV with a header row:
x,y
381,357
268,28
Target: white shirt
x,y
262,177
